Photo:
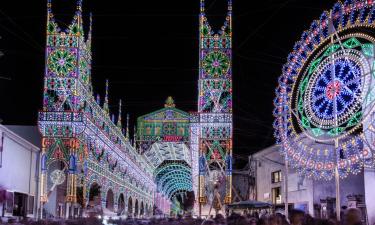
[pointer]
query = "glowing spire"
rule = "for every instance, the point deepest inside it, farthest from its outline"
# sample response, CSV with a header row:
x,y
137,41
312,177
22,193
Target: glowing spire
x,y
89,37
119,121
169,103
127,127
98,99
90,28
134,135
105,105
202,6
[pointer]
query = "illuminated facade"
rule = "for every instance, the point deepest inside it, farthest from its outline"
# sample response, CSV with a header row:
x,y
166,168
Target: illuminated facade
x,y
163,138
87,159
82,147
211,127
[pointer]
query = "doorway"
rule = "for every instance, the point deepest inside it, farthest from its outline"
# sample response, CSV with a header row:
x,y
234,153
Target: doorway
x,y
20,204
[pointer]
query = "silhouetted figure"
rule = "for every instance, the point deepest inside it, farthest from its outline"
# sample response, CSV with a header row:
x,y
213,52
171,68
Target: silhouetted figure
x,y
353,217
296,217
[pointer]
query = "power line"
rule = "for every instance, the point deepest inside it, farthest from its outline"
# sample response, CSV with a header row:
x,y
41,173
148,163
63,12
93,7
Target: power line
x,y
35,43
264,23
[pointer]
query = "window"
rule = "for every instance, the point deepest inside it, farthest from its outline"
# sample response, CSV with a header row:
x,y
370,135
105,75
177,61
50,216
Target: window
x,y
276,195
276,177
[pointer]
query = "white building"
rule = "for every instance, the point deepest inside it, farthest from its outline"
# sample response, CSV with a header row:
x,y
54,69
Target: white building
x,y
316,197
19,170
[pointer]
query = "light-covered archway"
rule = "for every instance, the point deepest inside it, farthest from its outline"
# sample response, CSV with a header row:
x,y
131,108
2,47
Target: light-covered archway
x,y
121,204
94,195
130,206
109,204
163,137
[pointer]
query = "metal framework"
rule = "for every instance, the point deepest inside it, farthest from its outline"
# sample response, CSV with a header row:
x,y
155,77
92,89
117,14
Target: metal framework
x,y
81,144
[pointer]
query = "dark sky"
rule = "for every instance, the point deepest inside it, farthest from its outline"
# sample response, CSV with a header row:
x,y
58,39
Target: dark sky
x,y
149,50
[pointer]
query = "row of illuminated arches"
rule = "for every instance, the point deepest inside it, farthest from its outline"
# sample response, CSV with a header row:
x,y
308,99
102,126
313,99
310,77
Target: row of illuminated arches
x,y
173,177
125,170
126,206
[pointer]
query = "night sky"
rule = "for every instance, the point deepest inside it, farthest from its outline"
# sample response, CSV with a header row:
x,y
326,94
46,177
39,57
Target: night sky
x,y
149,50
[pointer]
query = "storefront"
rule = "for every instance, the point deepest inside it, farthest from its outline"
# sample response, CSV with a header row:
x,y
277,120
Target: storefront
x,y
18,204
19,171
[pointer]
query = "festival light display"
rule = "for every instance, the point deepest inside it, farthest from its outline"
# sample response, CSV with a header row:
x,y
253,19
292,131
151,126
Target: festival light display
x,y
211,128
325,98
166,125
163,138
81,145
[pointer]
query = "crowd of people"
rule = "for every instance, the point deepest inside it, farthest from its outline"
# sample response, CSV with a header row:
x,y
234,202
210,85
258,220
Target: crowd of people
x,y
351,217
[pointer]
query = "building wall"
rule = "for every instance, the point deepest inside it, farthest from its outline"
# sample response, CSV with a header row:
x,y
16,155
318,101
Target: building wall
x,y
303,191
369,175
19,170
299,190
353,184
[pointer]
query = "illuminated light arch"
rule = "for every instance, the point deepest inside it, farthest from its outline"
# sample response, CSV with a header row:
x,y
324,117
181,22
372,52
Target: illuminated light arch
x,y
163,138
121,203
325,99
175,182
172,195
162,151
173,174
178,187
110,199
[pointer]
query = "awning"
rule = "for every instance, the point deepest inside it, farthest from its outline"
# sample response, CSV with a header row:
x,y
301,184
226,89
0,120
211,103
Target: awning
x,y
250,204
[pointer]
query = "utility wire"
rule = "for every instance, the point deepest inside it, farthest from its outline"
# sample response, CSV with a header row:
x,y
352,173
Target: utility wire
x,y
263,24
35,44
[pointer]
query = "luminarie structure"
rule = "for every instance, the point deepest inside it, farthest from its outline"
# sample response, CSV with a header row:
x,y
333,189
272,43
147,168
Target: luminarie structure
x,y
324,105
326,94
82,148
211,127
163,138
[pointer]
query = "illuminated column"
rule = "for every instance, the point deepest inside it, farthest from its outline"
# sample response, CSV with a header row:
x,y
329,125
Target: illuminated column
x,y
115,206
135,213
72,180
43,180
215,103
157,200
126,199
202,174
228,170
87,188
103,195
71,192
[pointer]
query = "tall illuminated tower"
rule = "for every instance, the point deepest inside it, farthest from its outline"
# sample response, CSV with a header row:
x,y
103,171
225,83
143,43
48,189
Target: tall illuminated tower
x,y
215,111
67,86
